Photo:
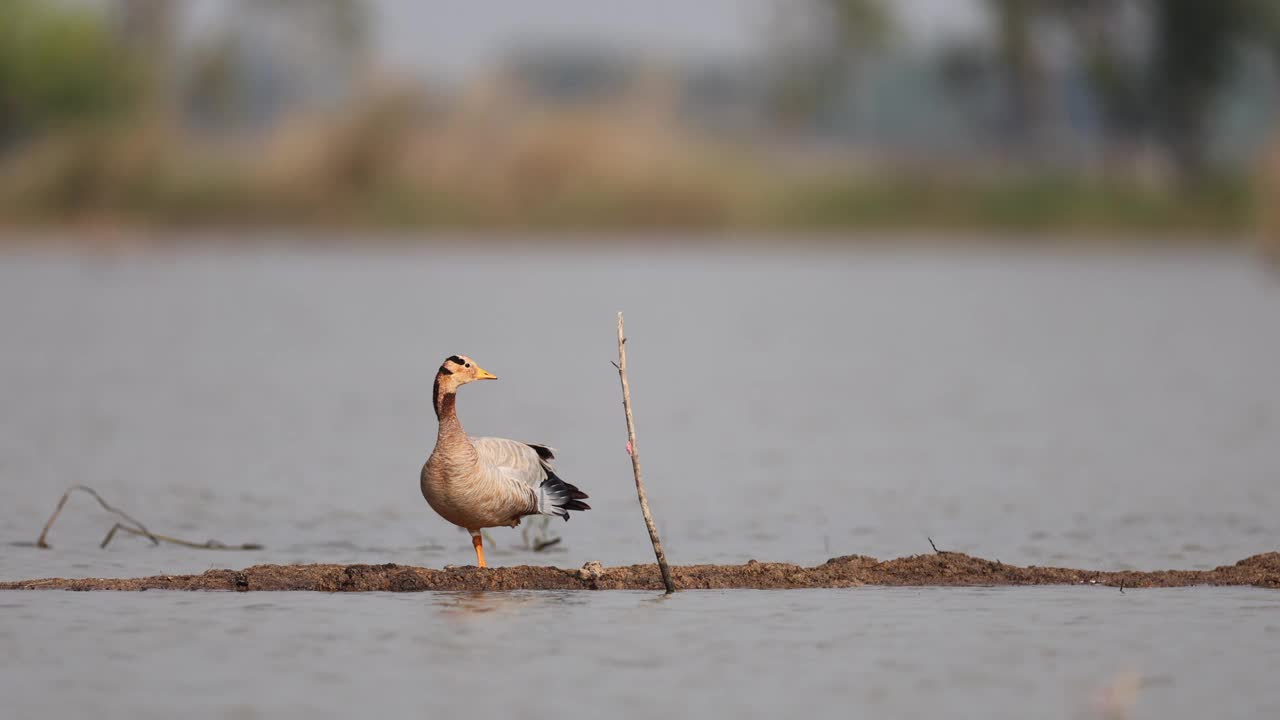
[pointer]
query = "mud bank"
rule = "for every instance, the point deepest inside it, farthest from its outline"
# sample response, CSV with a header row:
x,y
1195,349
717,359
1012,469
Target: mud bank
x,y
941,569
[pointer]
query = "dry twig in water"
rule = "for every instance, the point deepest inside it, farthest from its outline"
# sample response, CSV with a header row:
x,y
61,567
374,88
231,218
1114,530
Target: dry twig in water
x,y
140,529
544,544
131,526
635,462
206,545
542,539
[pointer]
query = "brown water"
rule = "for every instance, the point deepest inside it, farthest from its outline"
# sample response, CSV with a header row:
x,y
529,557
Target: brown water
x,y
1110,412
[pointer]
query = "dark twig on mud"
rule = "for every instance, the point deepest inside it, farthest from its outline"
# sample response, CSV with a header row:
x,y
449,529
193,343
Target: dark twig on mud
x,y
635,462
935,547
138,528
131,526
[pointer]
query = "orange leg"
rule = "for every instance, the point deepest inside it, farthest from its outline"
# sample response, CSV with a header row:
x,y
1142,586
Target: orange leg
x,y
478,543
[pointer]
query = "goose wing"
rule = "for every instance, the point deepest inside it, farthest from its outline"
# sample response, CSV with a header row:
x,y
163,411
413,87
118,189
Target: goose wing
x,y
527,469
515,460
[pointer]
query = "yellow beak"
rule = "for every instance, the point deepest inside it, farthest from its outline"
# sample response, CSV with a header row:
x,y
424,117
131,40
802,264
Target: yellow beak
x,y
482,374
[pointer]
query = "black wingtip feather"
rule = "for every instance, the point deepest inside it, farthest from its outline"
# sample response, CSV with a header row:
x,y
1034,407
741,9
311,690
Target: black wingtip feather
x,y
544,452
566,496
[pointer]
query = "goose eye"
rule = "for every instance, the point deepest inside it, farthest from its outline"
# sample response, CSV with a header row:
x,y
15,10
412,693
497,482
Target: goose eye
x,y
466,365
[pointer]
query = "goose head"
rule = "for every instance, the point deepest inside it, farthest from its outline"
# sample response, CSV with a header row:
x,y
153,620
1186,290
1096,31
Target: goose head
x,y
458,370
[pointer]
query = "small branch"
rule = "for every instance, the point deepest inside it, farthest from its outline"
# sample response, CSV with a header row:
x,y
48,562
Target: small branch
x,y
543,540
935,547
131,526
634,452
544,544
206,545
138,528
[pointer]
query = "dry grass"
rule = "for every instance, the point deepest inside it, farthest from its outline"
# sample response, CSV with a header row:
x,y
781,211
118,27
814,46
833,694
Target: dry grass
x,y
492,163
1268,206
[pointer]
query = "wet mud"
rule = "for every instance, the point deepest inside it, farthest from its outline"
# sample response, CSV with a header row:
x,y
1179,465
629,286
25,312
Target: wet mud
x,y
938,569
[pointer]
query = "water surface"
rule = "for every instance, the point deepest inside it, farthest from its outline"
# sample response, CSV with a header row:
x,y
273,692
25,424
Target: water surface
x,y
1109,412
1105,411
871,652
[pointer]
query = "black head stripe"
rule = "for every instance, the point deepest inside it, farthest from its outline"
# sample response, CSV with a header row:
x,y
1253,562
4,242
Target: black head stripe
x,y
445,371
454,359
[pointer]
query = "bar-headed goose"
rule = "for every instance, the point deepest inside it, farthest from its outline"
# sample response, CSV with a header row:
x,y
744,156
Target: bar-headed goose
x,y
485,482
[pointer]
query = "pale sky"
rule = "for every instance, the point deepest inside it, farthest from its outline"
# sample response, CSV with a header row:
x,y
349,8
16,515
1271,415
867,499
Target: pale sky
x,y
453,38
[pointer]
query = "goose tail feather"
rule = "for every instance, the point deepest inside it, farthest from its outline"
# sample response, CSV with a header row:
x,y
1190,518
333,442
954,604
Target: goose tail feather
x,y
557,497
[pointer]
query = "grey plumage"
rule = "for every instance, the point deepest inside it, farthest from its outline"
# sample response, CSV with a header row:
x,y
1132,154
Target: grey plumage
x,y
489,482
529,468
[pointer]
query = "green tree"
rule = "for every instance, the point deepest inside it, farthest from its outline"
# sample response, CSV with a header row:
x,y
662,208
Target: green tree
x,y
1014,20
820,46
146,30
58,67
1156,67
1195,45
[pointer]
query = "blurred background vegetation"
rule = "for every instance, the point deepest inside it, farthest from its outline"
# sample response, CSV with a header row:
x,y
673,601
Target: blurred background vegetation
x,y
1085,117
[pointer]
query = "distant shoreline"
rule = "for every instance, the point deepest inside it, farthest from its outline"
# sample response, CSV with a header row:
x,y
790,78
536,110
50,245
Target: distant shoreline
x,y
127,238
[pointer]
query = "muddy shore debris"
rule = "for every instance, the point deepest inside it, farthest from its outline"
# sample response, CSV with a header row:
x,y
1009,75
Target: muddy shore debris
x,y
938,569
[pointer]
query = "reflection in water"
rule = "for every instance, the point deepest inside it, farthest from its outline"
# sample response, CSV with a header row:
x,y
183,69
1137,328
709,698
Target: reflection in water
x,y
479,602
463,605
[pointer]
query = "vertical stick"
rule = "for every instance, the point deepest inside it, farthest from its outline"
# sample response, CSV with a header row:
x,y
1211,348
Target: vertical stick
x,y
635,462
